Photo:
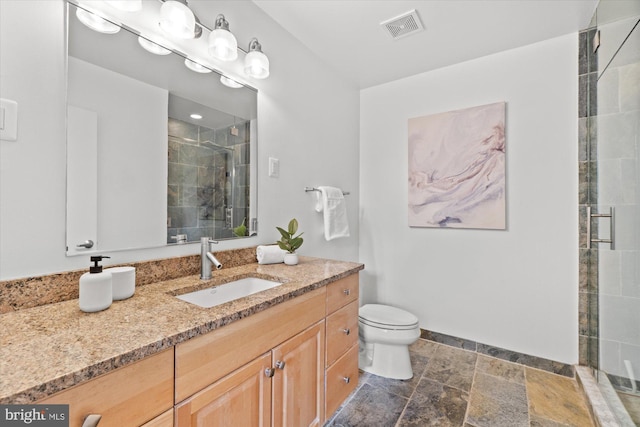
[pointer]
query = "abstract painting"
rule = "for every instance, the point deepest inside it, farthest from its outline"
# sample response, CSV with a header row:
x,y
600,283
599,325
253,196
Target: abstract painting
x,y
457,169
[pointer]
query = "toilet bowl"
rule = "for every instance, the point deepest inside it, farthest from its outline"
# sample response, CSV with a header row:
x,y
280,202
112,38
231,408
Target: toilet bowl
x,y
385,334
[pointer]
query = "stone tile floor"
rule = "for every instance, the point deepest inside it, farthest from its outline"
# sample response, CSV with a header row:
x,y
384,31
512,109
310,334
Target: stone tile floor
x,y
455,387
632,404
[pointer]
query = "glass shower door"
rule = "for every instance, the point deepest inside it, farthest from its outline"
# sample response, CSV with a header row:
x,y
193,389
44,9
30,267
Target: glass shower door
x,y
615,217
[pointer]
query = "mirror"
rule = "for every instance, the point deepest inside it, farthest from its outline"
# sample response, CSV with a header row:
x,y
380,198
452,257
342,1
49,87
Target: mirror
x,y
141,171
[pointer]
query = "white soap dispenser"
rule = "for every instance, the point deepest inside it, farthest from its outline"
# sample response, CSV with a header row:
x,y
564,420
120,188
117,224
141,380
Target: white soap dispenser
x,y
95,287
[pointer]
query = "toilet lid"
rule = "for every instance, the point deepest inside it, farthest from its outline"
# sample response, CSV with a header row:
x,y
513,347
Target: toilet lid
x,y
386,316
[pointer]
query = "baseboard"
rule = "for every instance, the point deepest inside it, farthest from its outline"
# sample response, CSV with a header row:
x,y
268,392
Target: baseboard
x,y
500,353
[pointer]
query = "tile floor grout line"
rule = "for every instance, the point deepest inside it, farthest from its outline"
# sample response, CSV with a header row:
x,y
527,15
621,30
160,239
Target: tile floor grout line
x,y
526,391
397,424
473,381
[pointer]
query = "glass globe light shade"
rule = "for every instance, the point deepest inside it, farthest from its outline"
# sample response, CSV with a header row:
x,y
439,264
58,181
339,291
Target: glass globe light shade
x,y
194,66
223,45
229,82
256,65
177,20
152,47
96,23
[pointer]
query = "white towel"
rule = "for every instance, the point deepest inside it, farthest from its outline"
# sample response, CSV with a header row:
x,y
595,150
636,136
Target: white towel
x,y
332,204
271,254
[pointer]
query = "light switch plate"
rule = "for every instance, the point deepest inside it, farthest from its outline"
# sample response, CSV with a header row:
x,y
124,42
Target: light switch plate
x,y
8,120
274,167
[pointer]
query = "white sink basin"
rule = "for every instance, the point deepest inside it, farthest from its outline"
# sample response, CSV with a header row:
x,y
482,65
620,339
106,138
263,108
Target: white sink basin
x,y
226,292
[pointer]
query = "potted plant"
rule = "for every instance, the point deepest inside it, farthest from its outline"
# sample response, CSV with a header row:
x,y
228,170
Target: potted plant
x,y
290,242
241,230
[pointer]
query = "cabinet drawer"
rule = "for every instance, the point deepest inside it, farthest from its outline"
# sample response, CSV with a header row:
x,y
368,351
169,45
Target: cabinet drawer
x,y
342,331
204,360
342,292
128,396
164,420
338,388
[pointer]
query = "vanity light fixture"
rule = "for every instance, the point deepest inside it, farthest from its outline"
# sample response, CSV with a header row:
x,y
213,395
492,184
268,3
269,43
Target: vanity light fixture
x,y
177,20
222,44
256,63
230,82
194,66
95,22
152,47
126,5
196,116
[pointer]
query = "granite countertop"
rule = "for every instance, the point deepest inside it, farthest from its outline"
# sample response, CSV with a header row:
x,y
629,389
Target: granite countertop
x,y
52,347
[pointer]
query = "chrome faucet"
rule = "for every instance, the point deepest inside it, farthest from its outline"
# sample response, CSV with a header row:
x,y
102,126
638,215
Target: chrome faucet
x,y
207,258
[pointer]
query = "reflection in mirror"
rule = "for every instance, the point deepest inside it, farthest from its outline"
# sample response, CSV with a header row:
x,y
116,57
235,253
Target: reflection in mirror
x,y
141,172
208,189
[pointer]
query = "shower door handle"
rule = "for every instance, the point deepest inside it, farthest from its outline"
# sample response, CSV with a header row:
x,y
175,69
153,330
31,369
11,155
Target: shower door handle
x,y
612,227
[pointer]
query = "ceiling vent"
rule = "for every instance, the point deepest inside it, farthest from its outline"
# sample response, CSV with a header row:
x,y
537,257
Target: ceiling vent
x,y
403,25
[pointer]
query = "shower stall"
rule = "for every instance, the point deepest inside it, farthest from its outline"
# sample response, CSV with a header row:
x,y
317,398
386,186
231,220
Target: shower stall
x,y
610,205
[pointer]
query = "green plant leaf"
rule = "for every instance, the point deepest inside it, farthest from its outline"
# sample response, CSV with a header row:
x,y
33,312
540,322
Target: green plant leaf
x,y
285,234
283,246
293,226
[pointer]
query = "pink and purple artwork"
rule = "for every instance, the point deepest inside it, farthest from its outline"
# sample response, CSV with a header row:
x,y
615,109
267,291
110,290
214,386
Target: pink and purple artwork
x,y
457,169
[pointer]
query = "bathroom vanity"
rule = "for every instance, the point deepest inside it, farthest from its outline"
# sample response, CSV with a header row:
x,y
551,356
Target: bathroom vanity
x,y
284,356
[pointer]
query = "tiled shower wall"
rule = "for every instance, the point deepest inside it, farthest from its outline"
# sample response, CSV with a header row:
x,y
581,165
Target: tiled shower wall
x,y
588,274
207,175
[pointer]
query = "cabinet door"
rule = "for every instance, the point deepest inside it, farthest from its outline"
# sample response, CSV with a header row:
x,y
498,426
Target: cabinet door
x,y
298,385
242,398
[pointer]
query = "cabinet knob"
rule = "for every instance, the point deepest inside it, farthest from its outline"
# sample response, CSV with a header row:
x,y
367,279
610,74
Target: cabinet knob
x,y
347,380
347,292
280,364
91,420
347,331
267,373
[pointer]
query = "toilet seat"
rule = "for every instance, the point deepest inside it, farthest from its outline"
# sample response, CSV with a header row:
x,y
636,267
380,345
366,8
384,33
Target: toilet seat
x,y
386,317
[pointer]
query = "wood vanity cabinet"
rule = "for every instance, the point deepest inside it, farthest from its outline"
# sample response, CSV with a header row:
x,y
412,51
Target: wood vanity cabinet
x,y
128,396
267,369
342,341
283,387
233,376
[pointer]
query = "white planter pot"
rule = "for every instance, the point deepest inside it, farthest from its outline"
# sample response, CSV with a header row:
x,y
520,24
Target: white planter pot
x,y
291,259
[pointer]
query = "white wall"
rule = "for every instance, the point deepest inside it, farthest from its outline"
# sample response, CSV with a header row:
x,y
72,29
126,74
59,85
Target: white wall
x,y
515,289
132,147
308,118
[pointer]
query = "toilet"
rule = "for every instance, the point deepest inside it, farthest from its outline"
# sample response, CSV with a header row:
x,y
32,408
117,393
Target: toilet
x,y
385,333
